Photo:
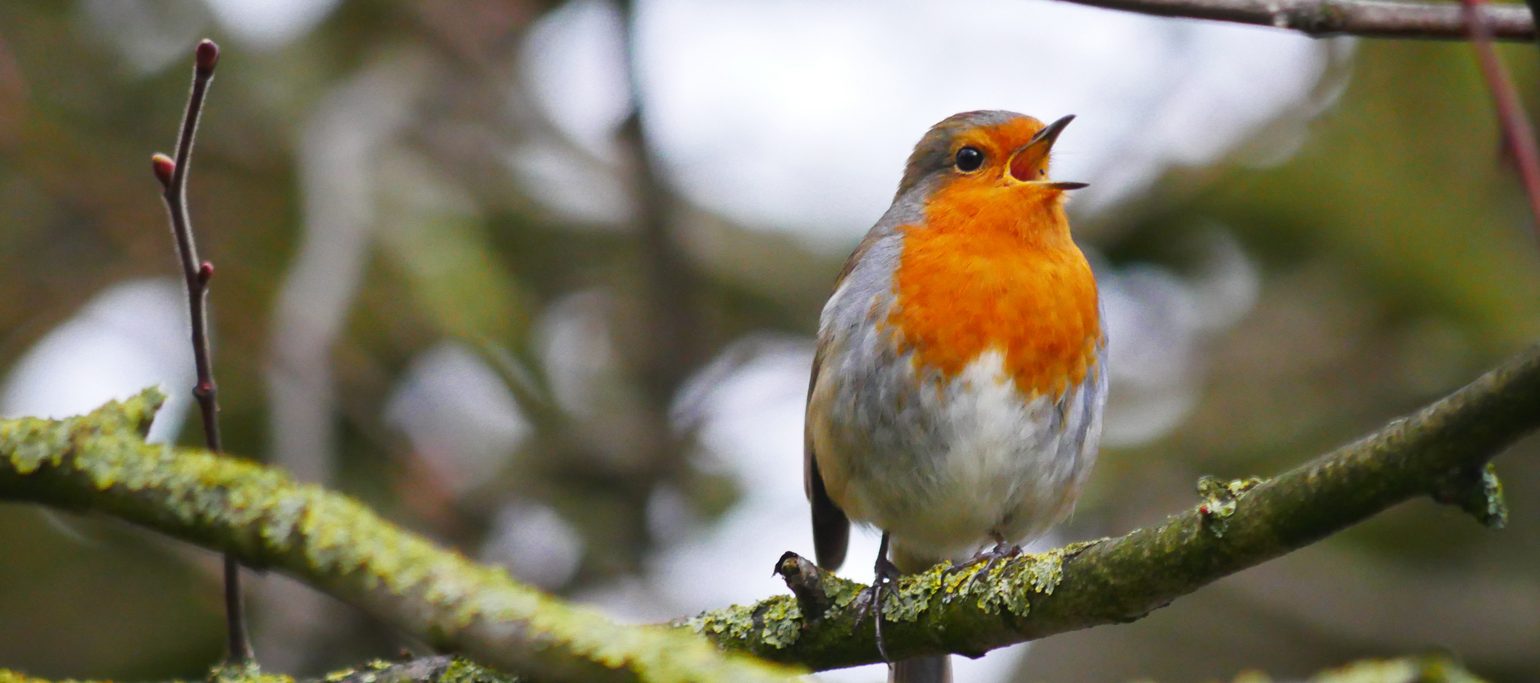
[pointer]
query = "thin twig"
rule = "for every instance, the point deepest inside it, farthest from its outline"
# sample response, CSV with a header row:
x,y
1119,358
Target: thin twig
x,y
1518,136
173,179
1322,18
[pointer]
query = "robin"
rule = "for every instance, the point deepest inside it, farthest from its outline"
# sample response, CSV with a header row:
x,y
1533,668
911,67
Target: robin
x,y
957,390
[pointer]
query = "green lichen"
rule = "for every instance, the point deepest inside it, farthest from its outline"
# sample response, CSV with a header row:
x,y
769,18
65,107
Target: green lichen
x,y
909,598
1476,490
776,622
1220,499
462,670
1002,594
248,672
842,593
735,621
781,624
1009,587
1485,500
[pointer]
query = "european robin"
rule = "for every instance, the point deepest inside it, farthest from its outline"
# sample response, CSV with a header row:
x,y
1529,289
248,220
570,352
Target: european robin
x,y
957,390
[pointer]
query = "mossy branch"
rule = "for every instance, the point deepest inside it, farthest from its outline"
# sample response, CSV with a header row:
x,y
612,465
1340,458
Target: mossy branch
x,y
100,462
1440,451
438,669
445,669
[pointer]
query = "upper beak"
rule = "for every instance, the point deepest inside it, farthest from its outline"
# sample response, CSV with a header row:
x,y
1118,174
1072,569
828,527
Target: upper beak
x,y
1026,162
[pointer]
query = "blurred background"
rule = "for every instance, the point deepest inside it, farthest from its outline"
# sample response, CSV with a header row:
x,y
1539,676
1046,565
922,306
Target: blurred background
x,y
540,280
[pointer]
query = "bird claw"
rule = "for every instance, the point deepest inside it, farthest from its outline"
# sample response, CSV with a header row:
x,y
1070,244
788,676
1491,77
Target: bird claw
x,y
1002,549
990,556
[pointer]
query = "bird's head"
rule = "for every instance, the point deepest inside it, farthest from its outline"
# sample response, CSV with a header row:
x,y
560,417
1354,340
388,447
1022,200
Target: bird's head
x,y
981,150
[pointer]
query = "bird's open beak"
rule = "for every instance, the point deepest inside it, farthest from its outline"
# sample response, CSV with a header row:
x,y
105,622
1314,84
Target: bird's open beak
x,y
1028,163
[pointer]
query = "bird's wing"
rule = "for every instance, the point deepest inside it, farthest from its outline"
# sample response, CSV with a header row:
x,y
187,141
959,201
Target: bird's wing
x,y
831,528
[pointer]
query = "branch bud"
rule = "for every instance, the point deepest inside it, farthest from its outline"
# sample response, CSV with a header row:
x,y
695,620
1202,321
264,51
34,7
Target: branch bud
x,y
164,168
207,57
205,272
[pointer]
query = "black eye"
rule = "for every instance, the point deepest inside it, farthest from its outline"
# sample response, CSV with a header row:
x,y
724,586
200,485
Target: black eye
x,y
969,159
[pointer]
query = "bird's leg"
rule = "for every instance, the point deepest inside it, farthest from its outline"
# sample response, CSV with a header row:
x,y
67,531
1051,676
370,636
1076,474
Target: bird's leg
x,y
1000,550
885,573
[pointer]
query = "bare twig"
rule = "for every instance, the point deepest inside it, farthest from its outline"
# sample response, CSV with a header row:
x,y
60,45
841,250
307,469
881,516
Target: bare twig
x,y
1322,18
1518,136
173,179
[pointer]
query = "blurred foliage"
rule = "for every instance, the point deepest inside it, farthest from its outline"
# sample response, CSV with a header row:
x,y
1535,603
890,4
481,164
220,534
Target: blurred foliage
x,y
1396,261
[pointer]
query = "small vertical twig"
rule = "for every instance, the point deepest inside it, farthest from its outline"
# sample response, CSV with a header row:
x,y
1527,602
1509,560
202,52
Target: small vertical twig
x,y
1518,136
172,175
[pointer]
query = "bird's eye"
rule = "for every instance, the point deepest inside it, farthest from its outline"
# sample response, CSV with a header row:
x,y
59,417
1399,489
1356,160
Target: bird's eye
x,y
969,159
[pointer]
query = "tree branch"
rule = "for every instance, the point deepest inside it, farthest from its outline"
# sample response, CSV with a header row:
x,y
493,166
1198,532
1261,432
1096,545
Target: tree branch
x,y
447,669
1323,18
1440,451
99,462
438,669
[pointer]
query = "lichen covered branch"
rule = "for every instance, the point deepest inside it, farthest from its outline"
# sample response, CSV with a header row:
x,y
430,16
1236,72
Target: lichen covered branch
x,y
438,669
446,669
1441,452
99,462
1323,18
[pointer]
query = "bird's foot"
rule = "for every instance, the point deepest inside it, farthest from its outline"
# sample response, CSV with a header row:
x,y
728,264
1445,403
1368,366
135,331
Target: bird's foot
x,y
885,573
1002,549
990,556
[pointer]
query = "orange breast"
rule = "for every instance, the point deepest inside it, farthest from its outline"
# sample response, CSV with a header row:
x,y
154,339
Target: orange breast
x,y
993,269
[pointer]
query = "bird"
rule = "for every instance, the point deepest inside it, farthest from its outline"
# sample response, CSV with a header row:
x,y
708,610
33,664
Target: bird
x,y
960,375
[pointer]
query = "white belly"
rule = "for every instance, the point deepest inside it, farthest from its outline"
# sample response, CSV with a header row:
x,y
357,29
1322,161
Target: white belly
x,y
948,466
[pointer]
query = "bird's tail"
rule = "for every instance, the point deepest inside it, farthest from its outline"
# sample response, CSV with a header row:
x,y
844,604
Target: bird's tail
x,y
935,669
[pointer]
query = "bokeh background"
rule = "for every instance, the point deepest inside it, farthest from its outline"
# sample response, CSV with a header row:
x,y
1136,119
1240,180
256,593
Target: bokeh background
x,y
540,280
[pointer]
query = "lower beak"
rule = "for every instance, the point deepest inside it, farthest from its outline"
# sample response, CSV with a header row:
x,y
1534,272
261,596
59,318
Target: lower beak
x,y
1029,163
